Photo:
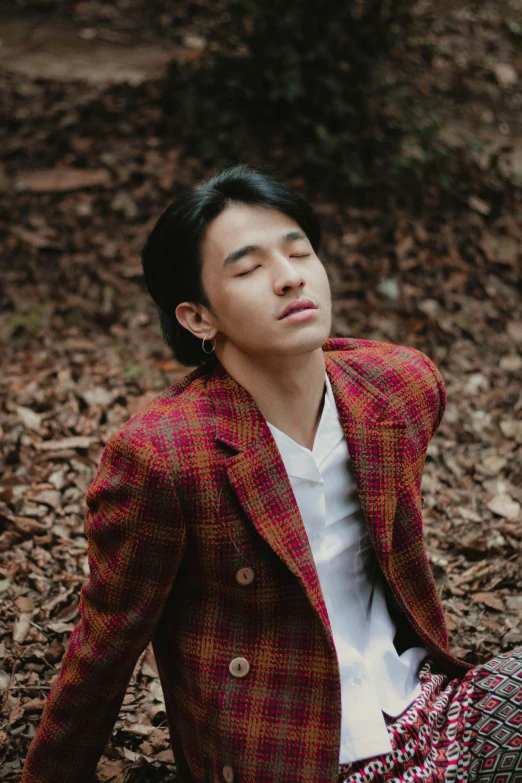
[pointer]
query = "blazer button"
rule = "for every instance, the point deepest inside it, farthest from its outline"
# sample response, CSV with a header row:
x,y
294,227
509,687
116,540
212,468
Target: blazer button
x,y
245,576
239,667
228,774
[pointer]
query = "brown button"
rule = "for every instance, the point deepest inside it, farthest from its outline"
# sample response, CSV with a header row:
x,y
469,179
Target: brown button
x,y
244,576
239,667
228,773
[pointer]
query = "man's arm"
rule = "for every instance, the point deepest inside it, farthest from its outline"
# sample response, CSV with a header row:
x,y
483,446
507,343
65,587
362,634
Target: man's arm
x,y
136,540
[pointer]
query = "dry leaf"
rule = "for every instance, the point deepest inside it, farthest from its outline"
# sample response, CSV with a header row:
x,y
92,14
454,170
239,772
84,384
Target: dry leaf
x,y
492,465
479,205
29,418
506,74
32,706
62,179
514,329
488,599
75,442
21,627
5,679
512,428
149,667
504,506
24,604
166,756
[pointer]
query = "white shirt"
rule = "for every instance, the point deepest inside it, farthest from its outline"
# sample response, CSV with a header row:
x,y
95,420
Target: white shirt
x,y
374,678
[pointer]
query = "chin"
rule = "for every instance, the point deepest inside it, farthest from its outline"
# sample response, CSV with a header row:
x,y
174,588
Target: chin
x,y
306,343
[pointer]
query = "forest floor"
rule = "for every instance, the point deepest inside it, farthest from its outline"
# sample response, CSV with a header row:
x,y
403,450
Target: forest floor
x,y
88,165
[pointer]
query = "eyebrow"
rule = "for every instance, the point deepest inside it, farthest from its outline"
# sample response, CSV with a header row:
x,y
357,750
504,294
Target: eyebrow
x,y
235,255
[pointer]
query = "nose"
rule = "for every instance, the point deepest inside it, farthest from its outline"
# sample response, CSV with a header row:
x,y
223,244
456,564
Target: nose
x,y
288,276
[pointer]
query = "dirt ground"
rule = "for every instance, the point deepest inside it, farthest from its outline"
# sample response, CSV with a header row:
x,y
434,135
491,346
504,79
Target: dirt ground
x,y
88,165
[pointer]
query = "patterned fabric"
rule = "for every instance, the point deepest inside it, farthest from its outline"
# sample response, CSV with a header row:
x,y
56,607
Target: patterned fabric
x,y
190,491
460,730
498,748
374,677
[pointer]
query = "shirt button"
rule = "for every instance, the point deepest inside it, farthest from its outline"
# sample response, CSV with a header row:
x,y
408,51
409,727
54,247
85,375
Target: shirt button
x,y
228,774
239,667
357,680
245,576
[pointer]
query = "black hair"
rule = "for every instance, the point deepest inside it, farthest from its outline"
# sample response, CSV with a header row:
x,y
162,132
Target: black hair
x,y
171,256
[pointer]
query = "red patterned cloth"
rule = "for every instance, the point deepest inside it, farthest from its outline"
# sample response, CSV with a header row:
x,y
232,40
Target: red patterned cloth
x,y
458,730
191,491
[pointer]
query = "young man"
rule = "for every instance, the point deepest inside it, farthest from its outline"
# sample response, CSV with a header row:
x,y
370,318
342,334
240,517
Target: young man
x,y
261,523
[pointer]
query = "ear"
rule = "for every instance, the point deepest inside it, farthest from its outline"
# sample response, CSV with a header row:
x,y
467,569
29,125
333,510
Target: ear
x,y
195,318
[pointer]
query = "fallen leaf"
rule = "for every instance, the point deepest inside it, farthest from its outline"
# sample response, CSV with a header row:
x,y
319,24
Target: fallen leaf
x,y
514,329
21,627
166,756
5,679
512,637
506,74
139,728
62,179
59,626
492,465
34,239
504,506
512,428
33,705
24,604
75,442
149,666
479,205
488,599
29,418
511,363
69,612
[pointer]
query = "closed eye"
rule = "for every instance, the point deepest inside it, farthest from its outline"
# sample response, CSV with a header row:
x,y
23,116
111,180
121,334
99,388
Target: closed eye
x,y
242,274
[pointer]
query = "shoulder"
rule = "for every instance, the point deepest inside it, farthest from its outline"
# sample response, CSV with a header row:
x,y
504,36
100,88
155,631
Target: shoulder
x,y
383,361
396,369
170,421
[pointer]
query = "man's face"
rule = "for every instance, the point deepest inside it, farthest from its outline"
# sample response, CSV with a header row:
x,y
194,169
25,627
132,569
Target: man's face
x,y
254,262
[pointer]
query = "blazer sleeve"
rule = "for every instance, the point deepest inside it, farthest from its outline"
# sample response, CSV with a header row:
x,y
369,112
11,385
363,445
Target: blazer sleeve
x,y
136,539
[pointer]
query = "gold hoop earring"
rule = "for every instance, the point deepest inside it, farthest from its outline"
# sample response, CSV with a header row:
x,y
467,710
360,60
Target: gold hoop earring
x,y
203,345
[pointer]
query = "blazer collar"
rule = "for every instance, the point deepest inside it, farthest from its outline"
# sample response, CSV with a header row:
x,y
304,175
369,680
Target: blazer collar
x,y
239,422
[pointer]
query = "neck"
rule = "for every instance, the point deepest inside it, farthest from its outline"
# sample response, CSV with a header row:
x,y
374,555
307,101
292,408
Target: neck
x,y
288,390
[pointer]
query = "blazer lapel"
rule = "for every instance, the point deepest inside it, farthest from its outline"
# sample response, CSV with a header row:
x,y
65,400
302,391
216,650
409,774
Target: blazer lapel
x,y
374,429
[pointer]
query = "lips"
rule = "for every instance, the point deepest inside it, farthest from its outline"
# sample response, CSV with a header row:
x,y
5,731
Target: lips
x,y
297,304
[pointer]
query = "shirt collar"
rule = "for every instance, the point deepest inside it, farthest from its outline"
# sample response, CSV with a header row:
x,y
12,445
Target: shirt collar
x,y
299,461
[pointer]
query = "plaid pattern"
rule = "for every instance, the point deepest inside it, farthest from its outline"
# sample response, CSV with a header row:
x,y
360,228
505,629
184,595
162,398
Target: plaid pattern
x,y
191,490
460,730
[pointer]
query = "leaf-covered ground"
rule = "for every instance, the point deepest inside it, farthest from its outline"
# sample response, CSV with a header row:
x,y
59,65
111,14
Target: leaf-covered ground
x,y
88,165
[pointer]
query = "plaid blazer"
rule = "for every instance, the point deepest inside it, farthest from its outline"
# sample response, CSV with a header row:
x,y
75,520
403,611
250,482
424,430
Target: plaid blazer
x,y
191,495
